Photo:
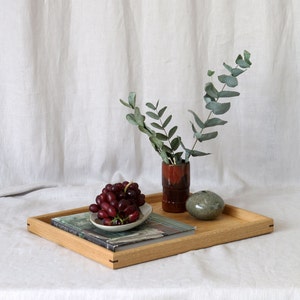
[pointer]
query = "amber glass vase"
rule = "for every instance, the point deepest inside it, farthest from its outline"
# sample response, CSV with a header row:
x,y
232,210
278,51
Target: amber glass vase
x,y
176,186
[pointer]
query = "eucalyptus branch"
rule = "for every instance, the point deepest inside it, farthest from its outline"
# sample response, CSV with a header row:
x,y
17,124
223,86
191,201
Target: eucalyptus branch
x,y
163,127
159,132
210,73
208,117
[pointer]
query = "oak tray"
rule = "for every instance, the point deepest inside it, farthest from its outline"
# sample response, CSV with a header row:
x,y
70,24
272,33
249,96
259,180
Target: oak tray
x,y
232,225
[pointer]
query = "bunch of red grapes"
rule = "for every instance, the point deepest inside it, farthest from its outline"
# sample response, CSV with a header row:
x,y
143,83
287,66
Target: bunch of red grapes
x,y
118,203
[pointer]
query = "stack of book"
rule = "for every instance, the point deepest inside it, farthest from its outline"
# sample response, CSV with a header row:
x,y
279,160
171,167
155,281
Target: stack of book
x,y
156,228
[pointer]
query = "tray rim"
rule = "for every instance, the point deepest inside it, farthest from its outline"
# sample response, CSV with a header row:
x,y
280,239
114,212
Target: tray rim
x,y
252,224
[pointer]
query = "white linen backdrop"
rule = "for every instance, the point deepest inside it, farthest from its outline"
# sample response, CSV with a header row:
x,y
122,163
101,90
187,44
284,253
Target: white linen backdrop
x,y
66,64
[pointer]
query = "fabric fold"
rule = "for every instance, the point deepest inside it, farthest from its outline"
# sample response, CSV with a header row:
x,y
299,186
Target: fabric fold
x,y
23,189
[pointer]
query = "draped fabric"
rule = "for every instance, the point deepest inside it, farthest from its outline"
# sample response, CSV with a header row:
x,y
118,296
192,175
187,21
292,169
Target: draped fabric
x,y
64,65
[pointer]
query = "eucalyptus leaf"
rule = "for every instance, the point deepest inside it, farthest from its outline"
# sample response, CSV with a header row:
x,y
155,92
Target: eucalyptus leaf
x,y
208,98
211,90
206,136
132,99
167,121
139,118
161,136
157,104
193,127
152,115
195,153
161,111
175,143
156,141
167,149
247,57
214,122
228,94
164,156
197,119
227,67
228,80
172,131
210,73
236,72
131,119
218,108
146,131
157,126
125,103
150,105
241,62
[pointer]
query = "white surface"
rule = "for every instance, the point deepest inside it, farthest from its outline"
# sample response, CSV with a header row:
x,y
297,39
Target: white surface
x,y
146,210
63,134
264,267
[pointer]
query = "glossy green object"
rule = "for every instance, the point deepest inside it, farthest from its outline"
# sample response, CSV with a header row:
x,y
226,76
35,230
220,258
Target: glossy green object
x,y
205,205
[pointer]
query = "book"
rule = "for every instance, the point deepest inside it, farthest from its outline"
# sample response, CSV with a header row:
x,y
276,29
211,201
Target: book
x,y
156,228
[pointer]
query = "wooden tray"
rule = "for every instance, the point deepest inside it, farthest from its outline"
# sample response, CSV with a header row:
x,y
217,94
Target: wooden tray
x,y
234,224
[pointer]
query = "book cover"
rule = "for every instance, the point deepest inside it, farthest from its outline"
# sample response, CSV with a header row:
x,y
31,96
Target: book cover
x,y
155,229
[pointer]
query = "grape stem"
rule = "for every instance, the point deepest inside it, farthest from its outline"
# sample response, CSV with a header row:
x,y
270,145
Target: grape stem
x,y
127,186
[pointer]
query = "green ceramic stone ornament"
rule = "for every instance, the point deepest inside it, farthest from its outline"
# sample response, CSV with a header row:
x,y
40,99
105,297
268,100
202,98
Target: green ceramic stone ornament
x,y
205,205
